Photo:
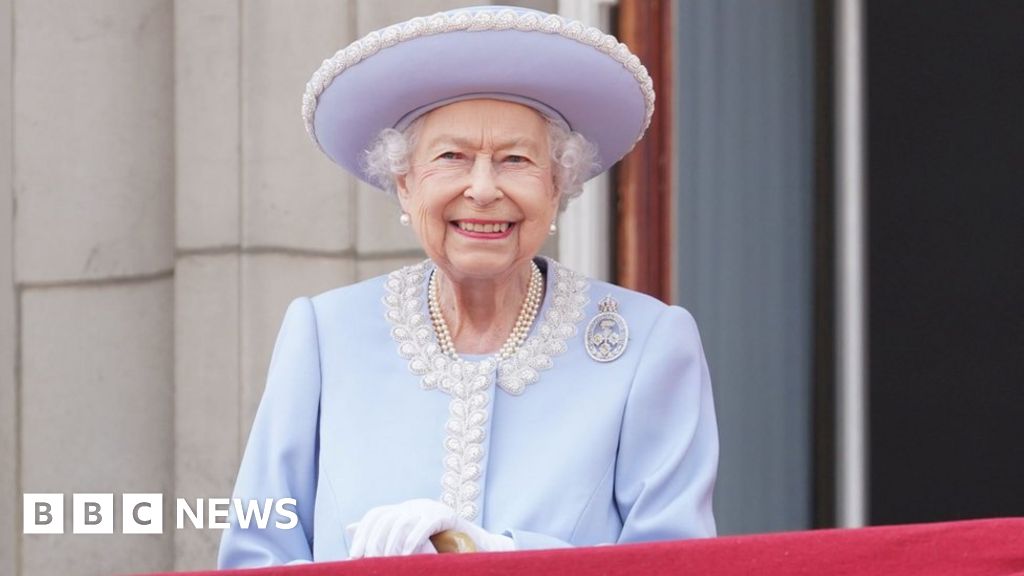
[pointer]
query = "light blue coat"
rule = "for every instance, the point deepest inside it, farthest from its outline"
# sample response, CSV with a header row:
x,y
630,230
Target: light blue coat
x,y
552,448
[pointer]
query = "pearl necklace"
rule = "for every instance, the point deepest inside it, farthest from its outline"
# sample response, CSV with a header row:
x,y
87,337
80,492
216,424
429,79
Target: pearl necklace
x,y
524,321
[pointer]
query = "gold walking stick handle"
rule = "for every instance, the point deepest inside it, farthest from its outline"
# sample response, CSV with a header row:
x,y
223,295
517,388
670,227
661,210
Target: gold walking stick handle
x,y
452,541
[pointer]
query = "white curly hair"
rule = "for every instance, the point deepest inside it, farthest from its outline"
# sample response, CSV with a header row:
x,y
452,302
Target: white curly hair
x,y
574,158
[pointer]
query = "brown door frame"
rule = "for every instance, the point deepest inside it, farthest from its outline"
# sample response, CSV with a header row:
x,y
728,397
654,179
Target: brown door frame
x,y
644,183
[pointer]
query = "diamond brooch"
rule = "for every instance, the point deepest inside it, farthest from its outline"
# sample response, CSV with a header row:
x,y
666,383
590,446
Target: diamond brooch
x,y
607,333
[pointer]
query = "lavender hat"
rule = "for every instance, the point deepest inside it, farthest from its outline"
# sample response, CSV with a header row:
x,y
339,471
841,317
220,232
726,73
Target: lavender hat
x,y
572,73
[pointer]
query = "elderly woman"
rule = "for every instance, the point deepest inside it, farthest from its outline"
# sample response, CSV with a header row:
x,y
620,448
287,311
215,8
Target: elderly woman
x,y
486,390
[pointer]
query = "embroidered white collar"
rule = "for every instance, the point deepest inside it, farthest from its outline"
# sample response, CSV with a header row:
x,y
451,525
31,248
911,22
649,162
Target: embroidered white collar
x,y
564,302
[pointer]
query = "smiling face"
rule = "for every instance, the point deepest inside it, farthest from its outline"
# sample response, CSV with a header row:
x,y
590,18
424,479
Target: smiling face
x,y
480,188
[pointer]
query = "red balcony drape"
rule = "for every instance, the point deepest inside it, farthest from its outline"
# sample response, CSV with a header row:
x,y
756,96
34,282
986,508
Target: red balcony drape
x,y
971,548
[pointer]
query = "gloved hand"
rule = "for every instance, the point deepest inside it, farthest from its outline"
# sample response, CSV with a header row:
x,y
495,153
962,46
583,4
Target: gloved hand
x,y
406,528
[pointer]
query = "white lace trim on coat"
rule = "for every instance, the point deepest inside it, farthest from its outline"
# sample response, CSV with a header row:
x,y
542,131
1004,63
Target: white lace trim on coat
x,y
468,382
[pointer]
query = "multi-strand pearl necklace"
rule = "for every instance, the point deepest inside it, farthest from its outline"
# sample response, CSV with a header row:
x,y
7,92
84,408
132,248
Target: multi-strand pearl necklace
x,y
524,321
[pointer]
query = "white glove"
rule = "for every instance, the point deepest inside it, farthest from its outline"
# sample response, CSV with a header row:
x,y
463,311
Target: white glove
x,y
406,528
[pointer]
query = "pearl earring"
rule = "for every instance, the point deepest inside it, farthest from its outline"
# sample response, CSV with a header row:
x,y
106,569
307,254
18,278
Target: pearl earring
x,y
404,219
553,229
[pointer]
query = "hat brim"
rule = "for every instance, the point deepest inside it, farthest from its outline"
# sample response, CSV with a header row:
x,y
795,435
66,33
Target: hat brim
x,y
589,86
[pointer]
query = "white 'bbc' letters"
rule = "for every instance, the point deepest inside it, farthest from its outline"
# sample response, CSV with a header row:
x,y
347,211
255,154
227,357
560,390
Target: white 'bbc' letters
x,y
142,513
92,513
42,513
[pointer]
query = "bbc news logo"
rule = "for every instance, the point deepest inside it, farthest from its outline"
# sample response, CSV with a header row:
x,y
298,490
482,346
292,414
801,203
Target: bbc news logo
x,y
143,513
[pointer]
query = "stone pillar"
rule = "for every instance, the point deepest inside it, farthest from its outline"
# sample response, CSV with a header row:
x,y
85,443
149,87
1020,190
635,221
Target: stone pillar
x,y
262,218
10,498
296,208
93,181
207,44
